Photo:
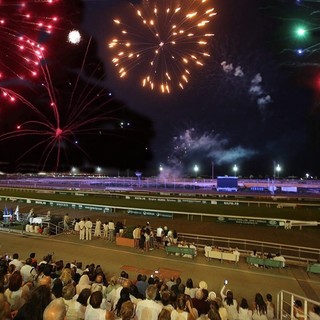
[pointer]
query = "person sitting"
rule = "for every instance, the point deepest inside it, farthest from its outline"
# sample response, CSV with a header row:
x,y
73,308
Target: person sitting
x,y
93,310
148,309
281,258
55,310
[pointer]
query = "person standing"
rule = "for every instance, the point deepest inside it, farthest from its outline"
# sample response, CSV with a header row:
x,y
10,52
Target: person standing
x,y
82,228
105,230
136,236
97,230
88,226
66,222
77,226
111,230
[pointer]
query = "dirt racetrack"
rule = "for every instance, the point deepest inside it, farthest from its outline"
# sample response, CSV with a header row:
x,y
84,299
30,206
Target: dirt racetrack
x,y
306,237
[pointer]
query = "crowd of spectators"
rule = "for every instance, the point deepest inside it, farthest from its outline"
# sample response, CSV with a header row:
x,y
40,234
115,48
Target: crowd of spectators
x,y
47,289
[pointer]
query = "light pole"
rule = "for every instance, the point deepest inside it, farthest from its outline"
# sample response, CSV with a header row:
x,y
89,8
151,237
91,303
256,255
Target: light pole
x,y
278,169
235,169
196,169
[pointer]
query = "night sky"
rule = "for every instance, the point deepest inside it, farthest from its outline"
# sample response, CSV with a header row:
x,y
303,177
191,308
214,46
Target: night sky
x,y
255,102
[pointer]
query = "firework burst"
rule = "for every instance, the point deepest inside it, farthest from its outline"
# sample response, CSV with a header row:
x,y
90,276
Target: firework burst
x,y
79,107
24,27
166,39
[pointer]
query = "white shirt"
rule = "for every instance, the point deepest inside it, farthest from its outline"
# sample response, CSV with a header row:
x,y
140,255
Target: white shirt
x,y
94,314
17,263
88,224
111,225
148,309
28,273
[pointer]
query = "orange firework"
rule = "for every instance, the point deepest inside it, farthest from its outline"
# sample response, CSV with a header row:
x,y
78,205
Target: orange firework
x,y
166,40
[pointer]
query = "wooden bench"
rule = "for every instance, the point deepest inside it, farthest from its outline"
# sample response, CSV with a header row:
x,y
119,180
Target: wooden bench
x,y
265,263
220,255
313,268
182,251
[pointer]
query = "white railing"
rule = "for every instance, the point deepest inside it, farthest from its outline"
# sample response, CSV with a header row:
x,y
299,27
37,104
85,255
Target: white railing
x,y
286,308
302,255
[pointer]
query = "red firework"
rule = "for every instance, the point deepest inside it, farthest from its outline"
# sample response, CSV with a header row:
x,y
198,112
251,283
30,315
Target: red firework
x,y
24,30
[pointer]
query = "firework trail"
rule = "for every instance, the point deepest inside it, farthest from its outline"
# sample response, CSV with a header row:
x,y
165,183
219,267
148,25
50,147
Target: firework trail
x,y
164,42
79,108
24,27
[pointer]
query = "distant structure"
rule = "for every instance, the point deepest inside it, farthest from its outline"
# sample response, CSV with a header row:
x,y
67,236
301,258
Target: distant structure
x,y
226,183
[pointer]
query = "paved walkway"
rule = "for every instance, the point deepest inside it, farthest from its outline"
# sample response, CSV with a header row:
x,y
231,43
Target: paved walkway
x,y
243,281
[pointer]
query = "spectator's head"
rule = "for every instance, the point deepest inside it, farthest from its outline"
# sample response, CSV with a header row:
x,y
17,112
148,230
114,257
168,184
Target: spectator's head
x,y
96,299
151,292
32,255
57,288
127,283
189,283
298,304
181,302
212,296
127,310
165,297
28,261
84,296
164,315
15,281
68,291
199,294
269,297
125,294
205,294
99,278
181,288
66,276
47,270
15,256
244,304
261,305
55,310
203,285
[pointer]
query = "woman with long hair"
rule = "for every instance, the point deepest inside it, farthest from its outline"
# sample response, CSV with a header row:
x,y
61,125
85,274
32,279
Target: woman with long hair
x,y
230,304
184,309
33,309
124,296
259,308
244,312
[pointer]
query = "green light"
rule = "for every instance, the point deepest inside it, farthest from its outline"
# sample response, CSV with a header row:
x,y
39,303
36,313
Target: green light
x,y
301,32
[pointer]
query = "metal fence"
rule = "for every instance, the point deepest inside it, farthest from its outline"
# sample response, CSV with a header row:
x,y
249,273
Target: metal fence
x,y
304,255
286,308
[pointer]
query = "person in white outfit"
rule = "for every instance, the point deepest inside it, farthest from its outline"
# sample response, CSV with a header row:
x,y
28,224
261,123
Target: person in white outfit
x,y
82,228
229,303
88,226
97,230
148,309
244,312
